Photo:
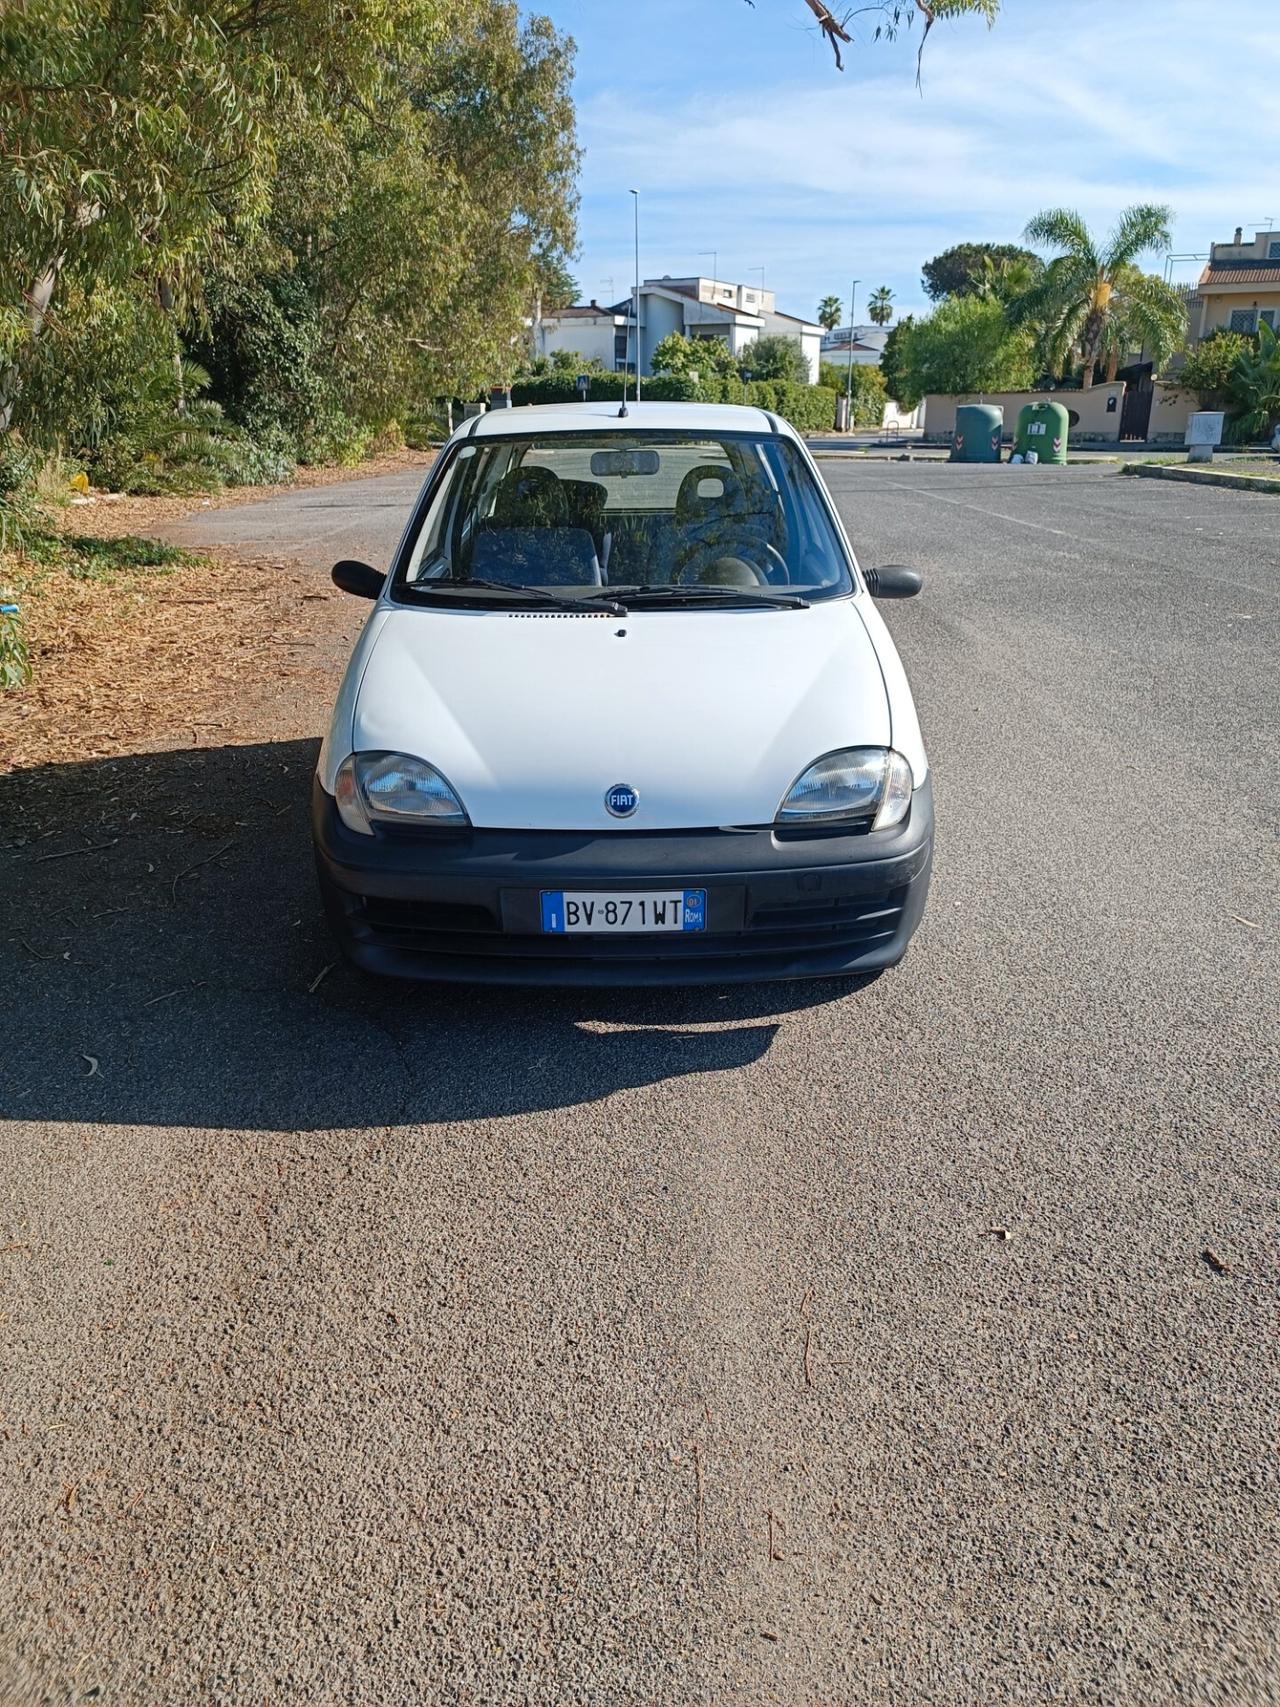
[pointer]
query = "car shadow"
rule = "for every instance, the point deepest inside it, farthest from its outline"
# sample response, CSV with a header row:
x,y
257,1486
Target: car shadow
x,y
164,961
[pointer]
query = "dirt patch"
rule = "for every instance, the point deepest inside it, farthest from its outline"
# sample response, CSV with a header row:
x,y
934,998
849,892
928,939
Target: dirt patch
x,y
222,650
211,654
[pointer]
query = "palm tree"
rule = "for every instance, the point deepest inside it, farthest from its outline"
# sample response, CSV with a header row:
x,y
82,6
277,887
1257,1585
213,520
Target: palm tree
x,y
1148,318
1077,295
829,313
880,305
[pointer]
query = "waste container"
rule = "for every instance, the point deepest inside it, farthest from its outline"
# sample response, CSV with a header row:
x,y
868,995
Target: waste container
x,y
978,430
1042,427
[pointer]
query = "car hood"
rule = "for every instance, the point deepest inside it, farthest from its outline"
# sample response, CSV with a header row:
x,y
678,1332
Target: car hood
x,y
708,715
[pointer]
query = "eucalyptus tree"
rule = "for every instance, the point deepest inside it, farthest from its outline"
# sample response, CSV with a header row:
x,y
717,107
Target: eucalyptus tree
x,y
138,134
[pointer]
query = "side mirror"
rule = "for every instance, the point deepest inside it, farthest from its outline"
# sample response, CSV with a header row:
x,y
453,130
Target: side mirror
x,y
893,581
361,579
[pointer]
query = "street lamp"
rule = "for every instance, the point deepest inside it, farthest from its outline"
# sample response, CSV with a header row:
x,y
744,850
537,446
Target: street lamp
x,y
853,297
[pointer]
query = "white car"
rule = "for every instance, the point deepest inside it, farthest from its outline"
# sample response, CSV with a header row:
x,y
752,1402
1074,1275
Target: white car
x,y
624,713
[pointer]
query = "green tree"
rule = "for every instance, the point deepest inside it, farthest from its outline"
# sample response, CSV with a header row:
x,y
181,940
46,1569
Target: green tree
x,y
775,358
892,368
829,313
968,269
880,305
554,285
682,357
868,389
1078,294
140,136
1148,318
1211,367
966,345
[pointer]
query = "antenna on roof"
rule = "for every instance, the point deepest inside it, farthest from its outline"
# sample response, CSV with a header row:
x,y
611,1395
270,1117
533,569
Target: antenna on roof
x,y
636,307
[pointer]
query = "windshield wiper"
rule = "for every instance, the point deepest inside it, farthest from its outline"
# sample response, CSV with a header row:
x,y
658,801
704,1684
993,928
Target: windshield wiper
x,y
698,594
518,590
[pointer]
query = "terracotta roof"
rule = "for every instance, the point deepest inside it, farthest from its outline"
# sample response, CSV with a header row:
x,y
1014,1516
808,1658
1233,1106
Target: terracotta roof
x,y
580,311
1241,272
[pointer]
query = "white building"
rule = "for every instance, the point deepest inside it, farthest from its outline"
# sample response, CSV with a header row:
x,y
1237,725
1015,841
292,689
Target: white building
x,y
590,331
695,307
868,345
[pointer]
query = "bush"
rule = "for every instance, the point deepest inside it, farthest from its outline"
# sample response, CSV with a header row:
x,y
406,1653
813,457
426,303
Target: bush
x,y
18,510
966,345
809,408
775,358
869,392
1210,368
15,664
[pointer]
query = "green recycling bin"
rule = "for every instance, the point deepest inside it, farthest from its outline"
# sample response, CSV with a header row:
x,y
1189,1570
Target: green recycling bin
x,y
1042,428
979,427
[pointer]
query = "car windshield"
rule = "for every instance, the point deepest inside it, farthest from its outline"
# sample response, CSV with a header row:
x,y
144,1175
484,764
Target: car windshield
x,y
627,512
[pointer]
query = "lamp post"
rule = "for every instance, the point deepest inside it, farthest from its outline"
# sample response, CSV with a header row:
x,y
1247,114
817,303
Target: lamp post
x,y
853,297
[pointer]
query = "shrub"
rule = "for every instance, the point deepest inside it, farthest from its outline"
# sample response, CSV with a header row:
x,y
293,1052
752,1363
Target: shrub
x,y
775,358
1208,369
966,345
1254,389
869,391
15,664
809,408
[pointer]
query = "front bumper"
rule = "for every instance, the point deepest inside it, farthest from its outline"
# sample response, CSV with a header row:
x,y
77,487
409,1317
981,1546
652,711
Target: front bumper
x,y
464,906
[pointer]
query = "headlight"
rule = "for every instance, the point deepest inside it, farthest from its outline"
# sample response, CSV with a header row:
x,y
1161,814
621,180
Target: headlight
x,y
392,788
855,783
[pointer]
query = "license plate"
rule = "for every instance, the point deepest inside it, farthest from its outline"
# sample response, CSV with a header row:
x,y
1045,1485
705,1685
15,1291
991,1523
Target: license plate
x,y
566,912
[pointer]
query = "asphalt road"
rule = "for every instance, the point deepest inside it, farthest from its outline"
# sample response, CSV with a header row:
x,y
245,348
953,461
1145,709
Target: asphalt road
x,y
914,1345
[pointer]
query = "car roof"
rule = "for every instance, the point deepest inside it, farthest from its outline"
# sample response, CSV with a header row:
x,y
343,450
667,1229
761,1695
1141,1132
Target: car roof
x,y
603,417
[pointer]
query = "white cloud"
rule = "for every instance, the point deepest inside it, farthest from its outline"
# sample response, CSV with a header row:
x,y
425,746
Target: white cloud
x,y
1094,105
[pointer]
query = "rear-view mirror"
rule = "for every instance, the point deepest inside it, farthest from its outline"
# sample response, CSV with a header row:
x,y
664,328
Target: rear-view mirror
x,y
362,579
893,581
624,462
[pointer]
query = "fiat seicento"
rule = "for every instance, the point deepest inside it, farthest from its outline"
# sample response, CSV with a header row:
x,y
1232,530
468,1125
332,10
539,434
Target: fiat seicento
x,y
624,712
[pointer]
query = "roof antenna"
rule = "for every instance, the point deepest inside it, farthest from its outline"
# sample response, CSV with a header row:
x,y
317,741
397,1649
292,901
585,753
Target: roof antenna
x,y
622,413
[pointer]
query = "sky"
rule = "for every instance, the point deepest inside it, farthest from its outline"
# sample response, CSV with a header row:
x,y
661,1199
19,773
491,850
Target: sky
x,y
742,138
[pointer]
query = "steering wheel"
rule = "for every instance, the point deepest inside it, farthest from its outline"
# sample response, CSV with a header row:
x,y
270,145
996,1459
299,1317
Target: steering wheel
x,y
737,548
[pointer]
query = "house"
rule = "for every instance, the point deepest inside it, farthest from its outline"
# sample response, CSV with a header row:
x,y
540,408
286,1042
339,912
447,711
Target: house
x,y
695,307
868,345
1240,286
591,331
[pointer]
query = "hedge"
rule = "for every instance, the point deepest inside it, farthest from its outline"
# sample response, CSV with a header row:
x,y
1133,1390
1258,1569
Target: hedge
x,y
809,408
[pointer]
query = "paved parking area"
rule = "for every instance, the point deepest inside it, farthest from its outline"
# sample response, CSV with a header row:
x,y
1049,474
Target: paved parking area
x,y
913,1345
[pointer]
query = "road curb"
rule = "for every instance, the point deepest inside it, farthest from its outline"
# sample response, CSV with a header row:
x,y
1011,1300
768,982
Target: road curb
x,y
1203,477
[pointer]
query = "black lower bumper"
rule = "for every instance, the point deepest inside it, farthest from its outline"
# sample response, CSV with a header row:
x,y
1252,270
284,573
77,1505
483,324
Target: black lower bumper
x,y
464,906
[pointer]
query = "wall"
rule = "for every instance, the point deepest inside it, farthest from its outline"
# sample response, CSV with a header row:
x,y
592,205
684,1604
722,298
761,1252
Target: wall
x,y
903,420
658,317
1218,304
1093,424
1170,408
585,337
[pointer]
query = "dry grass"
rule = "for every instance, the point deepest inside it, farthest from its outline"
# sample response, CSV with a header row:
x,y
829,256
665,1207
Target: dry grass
x,y
216,653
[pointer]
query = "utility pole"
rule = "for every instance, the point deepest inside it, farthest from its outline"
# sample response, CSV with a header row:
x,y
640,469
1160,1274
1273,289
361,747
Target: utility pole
x,y
853,297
